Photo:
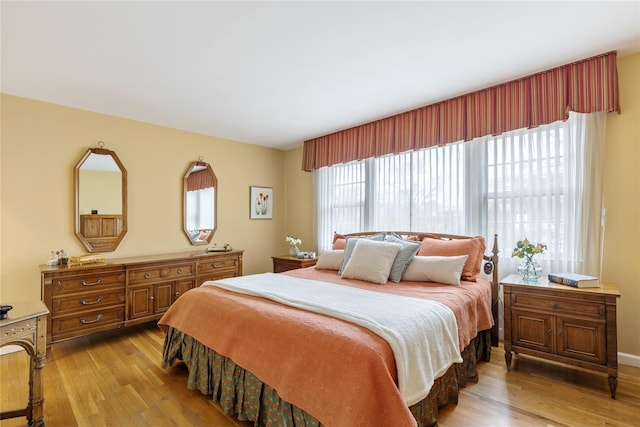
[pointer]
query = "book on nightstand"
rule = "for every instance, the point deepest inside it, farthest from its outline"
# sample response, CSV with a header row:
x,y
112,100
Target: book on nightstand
x,y
575,280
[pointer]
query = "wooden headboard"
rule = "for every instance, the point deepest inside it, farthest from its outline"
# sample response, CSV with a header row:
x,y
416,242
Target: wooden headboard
x,y
490,266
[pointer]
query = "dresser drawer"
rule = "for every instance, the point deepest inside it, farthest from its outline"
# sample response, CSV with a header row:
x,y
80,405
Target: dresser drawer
x,y
221,265
564,305
87,301
81,323
156,273
87,282
217,276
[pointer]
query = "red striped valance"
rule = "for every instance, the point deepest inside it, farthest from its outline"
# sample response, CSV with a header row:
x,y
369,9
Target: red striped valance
x,y
200,180
585,86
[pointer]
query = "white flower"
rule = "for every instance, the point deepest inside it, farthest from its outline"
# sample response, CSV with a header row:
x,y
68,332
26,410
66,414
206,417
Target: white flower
x,y
293,241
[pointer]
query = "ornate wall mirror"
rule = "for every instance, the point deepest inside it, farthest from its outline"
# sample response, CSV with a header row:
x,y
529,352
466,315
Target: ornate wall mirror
x,y
101,200
199,203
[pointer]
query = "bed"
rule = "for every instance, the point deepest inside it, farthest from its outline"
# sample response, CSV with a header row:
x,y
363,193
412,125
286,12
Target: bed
x,y
312,347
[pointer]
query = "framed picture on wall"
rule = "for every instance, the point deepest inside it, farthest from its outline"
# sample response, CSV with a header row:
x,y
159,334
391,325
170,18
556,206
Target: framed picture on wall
x,y
260,202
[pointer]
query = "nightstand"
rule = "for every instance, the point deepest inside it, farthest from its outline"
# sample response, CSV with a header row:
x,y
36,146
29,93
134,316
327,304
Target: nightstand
x,y
286,263
26,326
576,326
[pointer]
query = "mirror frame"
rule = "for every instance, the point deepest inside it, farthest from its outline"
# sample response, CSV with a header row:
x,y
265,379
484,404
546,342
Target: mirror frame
x,y
100,244
184,203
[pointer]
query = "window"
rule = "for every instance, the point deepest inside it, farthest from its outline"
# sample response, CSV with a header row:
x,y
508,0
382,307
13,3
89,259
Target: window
x,y
525,183
200,211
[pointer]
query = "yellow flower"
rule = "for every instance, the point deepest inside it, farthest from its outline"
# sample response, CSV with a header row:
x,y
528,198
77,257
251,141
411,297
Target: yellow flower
x,y
525,249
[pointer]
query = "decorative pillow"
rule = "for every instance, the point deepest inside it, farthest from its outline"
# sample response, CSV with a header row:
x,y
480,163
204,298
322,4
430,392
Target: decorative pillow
x,y
473,247
407,251
371,261
438,269
339,241
330,260
351,242
420,236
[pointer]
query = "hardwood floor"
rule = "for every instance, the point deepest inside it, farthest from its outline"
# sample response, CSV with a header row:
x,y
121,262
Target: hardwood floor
x,y
114,379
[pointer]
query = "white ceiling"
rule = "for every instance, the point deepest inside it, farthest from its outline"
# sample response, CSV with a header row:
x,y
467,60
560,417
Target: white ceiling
x,y
278,73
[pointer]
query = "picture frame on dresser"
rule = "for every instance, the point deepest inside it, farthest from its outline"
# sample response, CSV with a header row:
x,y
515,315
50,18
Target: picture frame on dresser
x,y
260,202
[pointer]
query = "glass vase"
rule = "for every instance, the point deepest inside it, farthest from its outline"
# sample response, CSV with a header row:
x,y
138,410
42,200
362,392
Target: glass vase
x,y
293,250
530,271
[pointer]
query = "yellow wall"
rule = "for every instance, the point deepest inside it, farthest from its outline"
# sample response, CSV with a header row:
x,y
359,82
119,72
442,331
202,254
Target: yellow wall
x,y
101,191
299,200
622,201
40,146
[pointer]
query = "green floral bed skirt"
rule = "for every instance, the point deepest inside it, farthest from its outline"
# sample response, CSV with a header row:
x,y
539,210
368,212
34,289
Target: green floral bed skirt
x,y
243,395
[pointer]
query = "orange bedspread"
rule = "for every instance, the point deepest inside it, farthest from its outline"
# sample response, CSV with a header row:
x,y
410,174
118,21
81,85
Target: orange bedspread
x,y
470,302
342,374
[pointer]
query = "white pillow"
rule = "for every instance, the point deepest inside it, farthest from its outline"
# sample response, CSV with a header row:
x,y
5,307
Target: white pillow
x,y
438,269
350,244
371,261
330,260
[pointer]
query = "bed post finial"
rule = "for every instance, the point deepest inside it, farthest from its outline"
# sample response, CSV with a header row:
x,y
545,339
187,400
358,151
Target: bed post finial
x,y
495,246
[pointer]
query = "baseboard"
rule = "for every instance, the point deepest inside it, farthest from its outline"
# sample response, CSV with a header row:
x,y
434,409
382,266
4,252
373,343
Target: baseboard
x,y
629,359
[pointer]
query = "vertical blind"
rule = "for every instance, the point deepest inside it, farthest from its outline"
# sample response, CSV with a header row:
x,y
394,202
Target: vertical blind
x,y
533,183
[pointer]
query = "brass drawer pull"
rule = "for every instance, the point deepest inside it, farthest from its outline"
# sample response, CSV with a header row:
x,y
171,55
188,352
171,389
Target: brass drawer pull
x,y
86,322
179,271
85,302
83,283
554,305
218,265
147,275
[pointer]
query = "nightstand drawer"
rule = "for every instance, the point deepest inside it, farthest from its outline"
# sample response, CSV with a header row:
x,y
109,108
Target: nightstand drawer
x,y
559,304
157,273
285,263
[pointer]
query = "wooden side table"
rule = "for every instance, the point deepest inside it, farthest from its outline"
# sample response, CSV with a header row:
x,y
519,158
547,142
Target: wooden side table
x,y
286,263
26,326
576,326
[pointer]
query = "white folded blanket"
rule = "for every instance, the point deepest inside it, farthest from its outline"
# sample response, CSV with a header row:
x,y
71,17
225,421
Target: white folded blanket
x,y
422,334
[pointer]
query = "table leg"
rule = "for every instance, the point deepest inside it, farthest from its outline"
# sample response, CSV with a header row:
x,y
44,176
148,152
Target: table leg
x,y
613,385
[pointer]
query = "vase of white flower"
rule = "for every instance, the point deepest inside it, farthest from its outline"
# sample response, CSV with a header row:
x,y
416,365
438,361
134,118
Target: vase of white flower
x,y
294,245
529,269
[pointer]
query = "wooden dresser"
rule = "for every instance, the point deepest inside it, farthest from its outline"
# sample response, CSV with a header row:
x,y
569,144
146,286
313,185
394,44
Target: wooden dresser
x,y
576,326
84,299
